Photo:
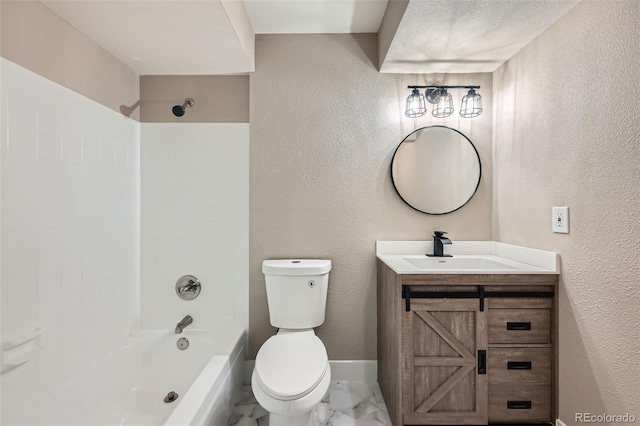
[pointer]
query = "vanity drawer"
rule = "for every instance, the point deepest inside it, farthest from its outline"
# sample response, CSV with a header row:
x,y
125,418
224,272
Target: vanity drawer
x,y
519,403
519,365
519,326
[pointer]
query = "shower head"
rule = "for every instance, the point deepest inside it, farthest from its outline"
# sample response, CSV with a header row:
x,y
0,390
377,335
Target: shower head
x,y
178,110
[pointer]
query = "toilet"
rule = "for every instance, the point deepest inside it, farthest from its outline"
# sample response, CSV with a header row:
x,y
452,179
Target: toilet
x,y
292,373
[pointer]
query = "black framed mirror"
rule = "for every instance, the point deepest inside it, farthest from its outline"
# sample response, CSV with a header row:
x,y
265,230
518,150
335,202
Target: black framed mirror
x,y
436,170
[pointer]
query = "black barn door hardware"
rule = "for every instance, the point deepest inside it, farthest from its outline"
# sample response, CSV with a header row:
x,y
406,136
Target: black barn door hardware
x,y
479,294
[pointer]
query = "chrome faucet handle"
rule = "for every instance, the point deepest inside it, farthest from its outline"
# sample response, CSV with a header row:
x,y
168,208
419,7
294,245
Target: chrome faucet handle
x,y
188,287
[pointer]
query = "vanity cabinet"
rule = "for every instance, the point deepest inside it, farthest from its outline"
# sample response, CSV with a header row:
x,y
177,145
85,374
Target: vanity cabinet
x,y
467,349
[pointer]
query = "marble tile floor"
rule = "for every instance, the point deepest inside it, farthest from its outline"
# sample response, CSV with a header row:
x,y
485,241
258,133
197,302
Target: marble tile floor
x,y
345,404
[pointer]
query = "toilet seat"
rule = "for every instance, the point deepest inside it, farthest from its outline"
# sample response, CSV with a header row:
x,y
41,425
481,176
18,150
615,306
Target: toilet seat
x,y
291,364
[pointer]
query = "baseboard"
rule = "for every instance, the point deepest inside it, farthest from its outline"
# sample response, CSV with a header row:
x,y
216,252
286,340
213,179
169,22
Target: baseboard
x,y
345,370
354,371
560,423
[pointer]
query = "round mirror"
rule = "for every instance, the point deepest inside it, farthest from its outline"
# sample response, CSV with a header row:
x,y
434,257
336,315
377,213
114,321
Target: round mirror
x,y
436,170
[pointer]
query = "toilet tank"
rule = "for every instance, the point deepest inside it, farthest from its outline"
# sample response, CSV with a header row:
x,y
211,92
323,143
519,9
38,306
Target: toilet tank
x,y
296,291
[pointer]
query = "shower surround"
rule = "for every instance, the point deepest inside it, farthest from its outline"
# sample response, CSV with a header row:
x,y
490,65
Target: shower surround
x,y
194,215
69,228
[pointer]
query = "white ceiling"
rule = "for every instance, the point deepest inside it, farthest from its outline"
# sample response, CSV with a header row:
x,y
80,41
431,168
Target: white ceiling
x,y
462,36
175,37
315,16
160,37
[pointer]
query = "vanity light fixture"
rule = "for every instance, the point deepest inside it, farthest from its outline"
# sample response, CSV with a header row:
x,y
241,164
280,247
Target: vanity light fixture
x,y
439,96
444,107
471,105
415,104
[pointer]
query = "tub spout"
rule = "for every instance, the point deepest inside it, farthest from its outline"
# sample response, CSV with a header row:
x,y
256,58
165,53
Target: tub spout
x,y
184,322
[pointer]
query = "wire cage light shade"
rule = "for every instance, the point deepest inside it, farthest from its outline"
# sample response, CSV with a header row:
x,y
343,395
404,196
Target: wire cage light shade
x,y
444,107
471,105
415,105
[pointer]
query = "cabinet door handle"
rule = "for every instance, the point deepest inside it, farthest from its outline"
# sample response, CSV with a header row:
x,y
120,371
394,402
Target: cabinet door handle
x,y
482,362
518,326
519,365
519,405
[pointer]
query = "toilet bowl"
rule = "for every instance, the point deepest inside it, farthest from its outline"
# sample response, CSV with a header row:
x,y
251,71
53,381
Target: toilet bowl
x,y
291,373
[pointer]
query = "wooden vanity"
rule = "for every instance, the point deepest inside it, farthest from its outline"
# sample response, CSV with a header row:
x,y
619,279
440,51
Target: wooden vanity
x,y
467,348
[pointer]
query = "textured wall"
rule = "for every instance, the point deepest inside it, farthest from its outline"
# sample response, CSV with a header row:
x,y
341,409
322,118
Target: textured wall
x,y
324,126
566,133
37,39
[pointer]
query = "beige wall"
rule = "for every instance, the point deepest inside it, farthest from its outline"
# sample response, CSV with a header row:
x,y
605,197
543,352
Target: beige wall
x,y
37,39
324,126
217,99
566,134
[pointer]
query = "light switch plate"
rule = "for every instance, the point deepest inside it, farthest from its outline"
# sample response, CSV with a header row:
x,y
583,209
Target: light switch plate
x,y
560,220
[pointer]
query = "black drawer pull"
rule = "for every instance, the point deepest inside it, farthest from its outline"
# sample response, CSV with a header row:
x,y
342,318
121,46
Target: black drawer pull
x,y
519,405
519,365
519,326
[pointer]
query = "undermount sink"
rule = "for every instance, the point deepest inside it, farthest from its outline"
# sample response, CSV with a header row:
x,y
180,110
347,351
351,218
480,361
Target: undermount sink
x,y
468,257
476,263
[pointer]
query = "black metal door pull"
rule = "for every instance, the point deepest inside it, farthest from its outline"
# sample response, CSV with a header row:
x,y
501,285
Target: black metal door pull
x,y
482,361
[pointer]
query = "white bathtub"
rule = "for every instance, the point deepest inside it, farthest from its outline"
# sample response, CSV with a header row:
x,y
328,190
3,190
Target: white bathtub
x,y
128,385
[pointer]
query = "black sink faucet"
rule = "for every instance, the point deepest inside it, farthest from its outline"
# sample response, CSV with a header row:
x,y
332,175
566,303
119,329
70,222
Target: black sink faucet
x,y
439,240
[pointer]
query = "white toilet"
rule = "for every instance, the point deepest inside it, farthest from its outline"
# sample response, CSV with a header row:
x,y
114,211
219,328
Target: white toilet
x,y
291,373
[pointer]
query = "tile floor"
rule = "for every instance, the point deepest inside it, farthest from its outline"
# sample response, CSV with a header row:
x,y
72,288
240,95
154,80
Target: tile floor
x,y
345,404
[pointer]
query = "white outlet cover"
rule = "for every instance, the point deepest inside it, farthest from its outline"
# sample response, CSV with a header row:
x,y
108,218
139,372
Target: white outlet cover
x,y
560,220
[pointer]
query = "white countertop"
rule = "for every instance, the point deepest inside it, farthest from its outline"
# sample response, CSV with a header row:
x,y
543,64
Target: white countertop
x,y
401,256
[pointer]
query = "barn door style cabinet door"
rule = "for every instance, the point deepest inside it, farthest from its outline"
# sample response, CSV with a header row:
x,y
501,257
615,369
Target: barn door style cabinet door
x,y
467,349
444,371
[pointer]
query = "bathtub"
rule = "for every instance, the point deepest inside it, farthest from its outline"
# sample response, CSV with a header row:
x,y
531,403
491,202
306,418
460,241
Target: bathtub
x,y
128,385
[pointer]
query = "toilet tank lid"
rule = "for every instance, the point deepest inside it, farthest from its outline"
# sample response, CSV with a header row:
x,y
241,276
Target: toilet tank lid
x,y
296,267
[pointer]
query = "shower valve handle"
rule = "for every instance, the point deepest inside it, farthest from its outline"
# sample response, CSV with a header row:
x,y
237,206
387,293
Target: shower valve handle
x,y
188,287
